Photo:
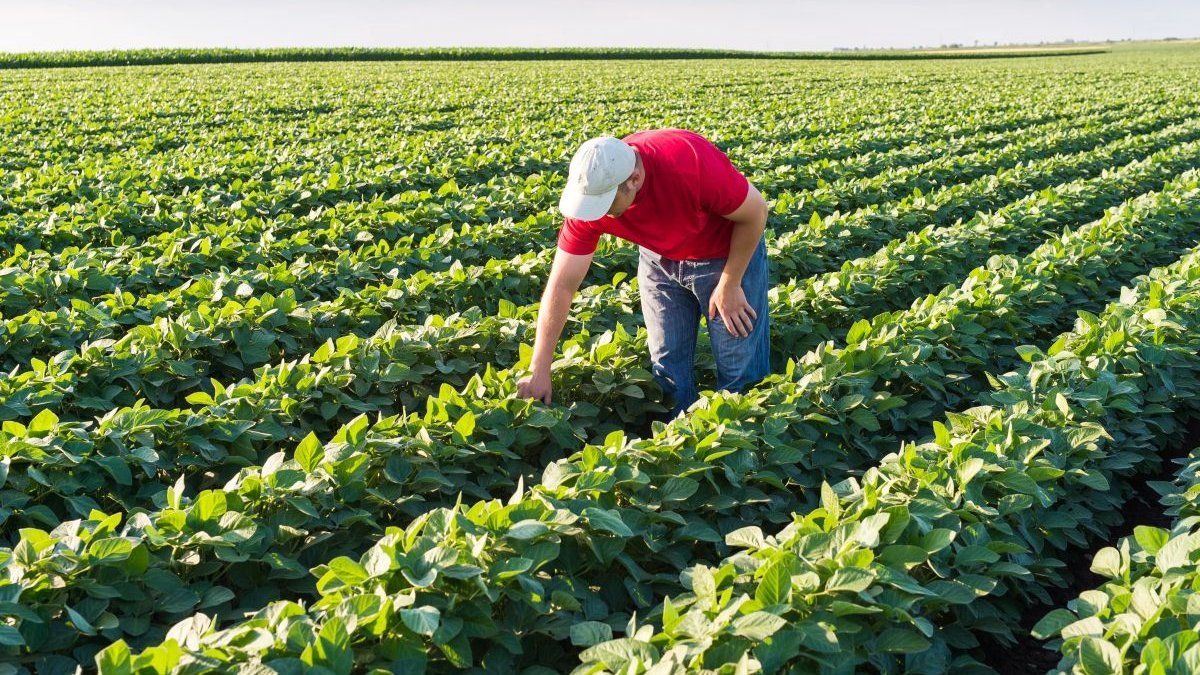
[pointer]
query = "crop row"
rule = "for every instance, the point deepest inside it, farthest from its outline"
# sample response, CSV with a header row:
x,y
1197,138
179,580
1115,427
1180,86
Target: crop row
x,y
174,55
946,540
207,180
1142,618
245,421
617,490
588,506
350,375
44,281
89,377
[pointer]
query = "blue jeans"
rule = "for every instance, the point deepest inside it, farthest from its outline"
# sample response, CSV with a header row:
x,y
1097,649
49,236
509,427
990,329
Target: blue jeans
x,y
675,294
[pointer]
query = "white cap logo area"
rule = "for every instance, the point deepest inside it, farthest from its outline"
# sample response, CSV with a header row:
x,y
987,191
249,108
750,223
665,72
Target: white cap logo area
x,y
597,170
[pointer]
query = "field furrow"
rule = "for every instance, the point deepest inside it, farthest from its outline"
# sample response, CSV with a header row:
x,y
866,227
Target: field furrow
x,y
1139,616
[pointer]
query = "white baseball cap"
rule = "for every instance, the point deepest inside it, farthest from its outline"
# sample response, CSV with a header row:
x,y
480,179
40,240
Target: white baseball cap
x,y
597,170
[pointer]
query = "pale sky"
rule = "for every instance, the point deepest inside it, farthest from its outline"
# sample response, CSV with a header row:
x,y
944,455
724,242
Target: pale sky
x,y
32,25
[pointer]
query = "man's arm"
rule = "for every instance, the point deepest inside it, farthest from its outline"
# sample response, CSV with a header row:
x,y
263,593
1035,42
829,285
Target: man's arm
x,y
728,299
566,274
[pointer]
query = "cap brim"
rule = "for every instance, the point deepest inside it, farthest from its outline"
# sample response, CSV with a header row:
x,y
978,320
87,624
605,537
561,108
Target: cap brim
x,y
575,204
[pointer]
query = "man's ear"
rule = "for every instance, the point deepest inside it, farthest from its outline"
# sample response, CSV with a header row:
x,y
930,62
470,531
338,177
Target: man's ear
x,y
638,177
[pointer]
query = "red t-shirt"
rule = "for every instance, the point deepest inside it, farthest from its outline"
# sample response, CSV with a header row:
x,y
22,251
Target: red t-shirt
x,y
678,212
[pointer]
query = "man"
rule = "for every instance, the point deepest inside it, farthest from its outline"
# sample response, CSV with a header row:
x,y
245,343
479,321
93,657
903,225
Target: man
x,y
699,224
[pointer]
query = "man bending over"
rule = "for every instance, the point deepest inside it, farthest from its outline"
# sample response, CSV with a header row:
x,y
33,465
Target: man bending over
x,y
699,225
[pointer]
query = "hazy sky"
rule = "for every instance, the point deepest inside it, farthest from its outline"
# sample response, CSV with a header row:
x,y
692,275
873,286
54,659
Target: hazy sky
x,y
749,24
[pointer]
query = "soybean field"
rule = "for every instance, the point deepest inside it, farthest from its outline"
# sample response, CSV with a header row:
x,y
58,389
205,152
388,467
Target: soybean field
x,y
262,325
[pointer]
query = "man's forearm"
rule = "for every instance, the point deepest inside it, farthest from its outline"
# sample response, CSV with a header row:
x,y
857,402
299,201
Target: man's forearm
x,y
742,242
552,316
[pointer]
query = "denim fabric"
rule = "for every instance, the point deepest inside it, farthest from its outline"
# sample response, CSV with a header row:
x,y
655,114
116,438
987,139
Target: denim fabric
x,y
675,294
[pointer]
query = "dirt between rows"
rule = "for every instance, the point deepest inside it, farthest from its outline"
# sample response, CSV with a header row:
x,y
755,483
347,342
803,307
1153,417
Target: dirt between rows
x,y
1143,508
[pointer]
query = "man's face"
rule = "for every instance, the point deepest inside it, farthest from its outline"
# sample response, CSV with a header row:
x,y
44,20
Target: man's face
x,y
627,192
622,201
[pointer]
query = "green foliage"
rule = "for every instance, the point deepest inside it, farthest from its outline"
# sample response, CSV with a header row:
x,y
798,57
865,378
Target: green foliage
x,y
1142,618
260,343
160,56
893,594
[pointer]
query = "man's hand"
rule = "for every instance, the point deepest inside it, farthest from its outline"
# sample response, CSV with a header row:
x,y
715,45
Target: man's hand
x,y
536,386
729,300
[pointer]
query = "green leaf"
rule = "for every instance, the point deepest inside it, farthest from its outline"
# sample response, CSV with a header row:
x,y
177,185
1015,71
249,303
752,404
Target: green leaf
x,y
510,567
117,468
356,429
1053,623
850,579
901,641
1028,352
465,425
81,624
43,421
348,571
110,549
865,419
310,453
421,620
1091,626
750,536
937,539
968,470
704,585
457,651
209,507
953,592
867,532
1151,539
758,625
858,331
527,529
1062,404
1175,553
941,435
332,648
588,633
216,595
115,659
1099,657
10,636
1107,563
775,584
677,489
975,555
200,398
608,520
376,561
830,501
542,418
566,601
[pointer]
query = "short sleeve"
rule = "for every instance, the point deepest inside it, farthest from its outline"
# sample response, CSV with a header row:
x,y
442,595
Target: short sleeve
x,y
578,237
721,187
